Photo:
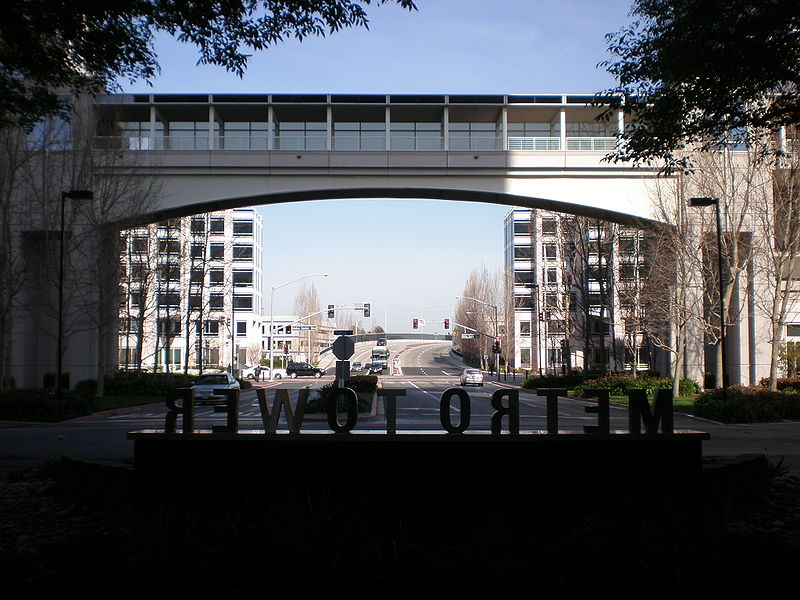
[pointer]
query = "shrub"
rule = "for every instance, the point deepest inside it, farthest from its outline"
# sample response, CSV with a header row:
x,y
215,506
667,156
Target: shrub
x,y
359,384
554,381
784,383
131,383
740,404
618,385
43,406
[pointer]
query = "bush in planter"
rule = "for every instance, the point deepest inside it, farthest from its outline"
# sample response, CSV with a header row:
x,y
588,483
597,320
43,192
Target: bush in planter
x,y
740,404
363,385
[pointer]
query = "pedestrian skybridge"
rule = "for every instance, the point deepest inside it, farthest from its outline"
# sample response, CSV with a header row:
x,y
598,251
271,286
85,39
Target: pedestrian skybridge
x,y
214,151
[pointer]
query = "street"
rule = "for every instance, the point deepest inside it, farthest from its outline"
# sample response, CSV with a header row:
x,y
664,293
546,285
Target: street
x,y
428,369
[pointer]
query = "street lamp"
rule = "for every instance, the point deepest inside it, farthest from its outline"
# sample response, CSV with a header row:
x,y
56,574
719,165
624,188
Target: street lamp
x,y
496,335
271,320
74,195
723,349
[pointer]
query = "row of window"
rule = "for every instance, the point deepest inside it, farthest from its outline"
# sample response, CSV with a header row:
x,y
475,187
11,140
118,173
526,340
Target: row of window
x,y
172,327
171,272
216,251
215,301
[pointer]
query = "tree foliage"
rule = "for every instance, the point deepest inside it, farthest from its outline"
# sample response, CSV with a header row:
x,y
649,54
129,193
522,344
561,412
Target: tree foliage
x,y
85,46
694,72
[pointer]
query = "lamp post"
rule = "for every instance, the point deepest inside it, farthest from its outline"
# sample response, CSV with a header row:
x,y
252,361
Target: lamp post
x,y
494,306
723,349
74,195
271,319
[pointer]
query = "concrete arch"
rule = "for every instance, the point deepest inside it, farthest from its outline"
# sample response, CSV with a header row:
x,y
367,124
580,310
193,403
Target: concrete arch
x,y
400,192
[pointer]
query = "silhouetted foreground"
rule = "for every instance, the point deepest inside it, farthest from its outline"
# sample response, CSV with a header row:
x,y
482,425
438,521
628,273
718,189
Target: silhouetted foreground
x,y
88,529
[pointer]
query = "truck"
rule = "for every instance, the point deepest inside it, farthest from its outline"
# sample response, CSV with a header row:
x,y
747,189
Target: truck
x,y
380,354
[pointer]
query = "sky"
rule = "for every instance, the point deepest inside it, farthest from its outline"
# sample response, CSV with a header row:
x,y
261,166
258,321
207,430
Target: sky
x,y
407,258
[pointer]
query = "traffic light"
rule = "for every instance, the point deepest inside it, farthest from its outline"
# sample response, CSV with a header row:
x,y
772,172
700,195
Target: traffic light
x,y
288,329
366,310
496,346
416,323
447,323
330,311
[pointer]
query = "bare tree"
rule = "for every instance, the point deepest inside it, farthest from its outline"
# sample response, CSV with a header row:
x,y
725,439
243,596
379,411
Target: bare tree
x,y
475,310
306,303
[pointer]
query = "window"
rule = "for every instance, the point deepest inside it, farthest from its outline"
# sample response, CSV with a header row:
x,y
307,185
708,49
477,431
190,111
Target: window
x,y
170,327
523,277
169,272
242,278
210,327
198,251
523,253
522,227
550,251
216,226
169,299
525,329
242,253
171,247
172,356
129,356
216,251
216,276
551,276
243,302
242,228
216,302
241,328
525,357
211,356
793,330
196,276
198,226
139,245
549,226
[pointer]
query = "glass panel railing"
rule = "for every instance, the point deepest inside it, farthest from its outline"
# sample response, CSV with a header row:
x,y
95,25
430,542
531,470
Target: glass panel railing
x,y
420,142
486,143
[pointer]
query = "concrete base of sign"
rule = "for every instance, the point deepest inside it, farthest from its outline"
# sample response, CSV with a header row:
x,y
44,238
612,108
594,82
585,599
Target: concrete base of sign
x,y
434,465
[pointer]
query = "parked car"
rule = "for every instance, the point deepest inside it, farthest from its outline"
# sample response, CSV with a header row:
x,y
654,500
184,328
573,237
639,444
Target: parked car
x,y
278,373
472,377
371,368
304,369
206,386
250,372
356,366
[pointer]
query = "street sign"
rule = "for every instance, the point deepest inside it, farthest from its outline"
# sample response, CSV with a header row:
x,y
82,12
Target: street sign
x,y
468,336
343,348
306,327
342,332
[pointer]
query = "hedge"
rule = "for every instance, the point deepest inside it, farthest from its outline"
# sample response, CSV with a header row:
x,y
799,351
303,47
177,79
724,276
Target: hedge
x,y
554,381
43,406
740,404
621,383
784,383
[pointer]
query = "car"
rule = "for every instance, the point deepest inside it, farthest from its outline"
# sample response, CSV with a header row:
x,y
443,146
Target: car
x,y
356,366
303,369
381,342
206,386
371,368
249,372
277,373
472,376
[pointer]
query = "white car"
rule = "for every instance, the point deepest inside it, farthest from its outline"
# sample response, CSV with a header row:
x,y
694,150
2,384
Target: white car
x,y
206,386
279,373
472,377
250,372
356,366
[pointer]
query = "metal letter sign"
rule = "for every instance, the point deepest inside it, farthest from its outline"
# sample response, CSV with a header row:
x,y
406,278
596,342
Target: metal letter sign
x,y
343,348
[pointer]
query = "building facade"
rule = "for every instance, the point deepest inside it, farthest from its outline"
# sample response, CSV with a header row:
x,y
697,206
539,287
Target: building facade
x,y
192,293
578,289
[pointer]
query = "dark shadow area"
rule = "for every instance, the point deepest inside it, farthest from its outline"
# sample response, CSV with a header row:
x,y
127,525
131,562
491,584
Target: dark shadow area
x,y
91,529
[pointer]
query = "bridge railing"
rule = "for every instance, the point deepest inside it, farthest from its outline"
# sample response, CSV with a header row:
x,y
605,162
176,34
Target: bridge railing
x,y
358,143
